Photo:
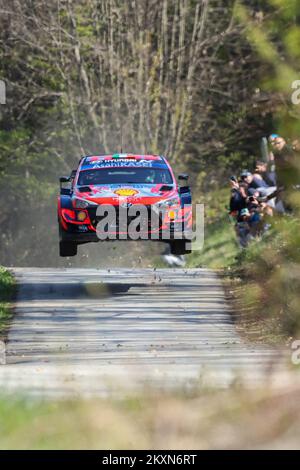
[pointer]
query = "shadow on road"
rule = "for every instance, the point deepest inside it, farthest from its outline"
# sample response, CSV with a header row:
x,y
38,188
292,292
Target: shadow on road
x,y
60,290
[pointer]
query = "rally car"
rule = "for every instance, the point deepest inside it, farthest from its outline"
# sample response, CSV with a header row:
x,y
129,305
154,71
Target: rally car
x,y
123,181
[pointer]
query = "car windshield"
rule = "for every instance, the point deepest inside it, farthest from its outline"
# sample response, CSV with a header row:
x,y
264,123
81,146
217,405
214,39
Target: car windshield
x,y
125,176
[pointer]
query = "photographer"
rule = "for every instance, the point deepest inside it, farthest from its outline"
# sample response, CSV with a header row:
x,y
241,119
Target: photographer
x,y
238,196
258,187
266,172
286,159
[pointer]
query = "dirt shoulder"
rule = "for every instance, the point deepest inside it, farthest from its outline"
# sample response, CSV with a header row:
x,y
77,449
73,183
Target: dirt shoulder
x,y
252,324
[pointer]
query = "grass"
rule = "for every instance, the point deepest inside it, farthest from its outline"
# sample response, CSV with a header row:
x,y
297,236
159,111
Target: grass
x,y
269,270
7,288
220,246
263,281
223,419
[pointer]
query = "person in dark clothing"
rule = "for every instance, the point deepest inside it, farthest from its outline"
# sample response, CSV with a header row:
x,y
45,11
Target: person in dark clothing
x,y
238,196
254,181
252,204
266,172
257,186
286,159
248,226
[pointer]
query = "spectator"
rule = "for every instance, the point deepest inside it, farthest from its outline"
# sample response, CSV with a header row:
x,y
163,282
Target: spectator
x,y
253,204
256,205
257,186
278,143
287,167
247,226
266,172
238,196
256,194
254,181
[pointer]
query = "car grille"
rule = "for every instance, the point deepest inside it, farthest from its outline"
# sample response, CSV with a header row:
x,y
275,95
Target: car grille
x,y
115,224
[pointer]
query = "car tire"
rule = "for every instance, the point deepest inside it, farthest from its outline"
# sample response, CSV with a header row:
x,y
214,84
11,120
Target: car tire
x,y
67,249
178,247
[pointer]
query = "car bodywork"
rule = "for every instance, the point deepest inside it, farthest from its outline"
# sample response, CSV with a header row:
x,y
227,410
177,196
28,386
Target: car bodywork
x,y
122,181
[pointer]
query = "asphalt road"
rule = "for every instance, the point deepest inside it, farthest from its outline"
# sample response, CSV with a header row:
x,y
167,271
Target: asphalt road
x,y
98,332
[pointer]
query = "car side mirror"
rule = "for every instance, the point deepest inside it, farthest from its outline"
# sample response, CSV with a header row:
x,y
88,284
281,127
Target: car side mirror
x,y
65,185
183,183
183,177
64,179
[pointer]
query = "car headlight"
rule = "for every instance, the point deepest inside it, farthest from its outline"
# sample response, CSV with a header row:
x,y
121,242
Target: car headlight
x,y
82,203
168,203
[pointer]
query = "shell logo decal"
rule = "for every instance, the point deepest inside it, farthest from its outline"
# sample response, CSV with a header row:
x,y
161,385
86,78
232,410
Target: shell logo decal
x,y
126,192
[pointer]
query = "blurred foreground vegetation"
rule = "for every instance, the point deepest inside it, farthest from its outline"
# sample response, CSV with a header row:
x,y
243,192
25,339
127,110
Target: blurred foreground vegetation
x,y
233,419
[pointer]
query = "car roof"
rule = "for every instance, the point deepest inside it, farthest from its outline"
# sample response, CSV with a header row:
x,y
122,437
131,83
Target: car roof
x,y
122,160
129,156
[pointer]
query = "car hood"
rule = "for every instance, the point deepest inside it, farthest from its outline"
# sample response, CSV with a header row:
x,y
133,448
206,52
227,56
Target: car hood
x,y
133,193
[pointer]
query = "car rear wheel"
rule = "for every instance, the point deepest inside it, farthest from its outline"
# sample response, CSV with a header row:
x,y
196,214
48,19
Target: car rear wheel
x,y
178,247
67,249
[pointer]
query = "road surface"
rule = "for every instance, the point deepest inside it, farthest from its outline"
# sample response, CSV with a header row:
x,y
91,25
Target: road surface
x,y
97,332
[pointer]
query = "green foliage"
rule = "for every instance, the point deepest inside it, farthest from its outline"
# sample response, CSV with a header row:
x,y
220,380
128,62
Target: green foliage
x,y
271,272
220,246
270,267
7,287
185,82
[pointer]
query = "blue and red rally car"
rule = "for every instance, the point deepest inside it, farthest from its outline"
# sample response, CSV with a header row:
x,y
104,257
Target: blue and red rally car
x,y
124,182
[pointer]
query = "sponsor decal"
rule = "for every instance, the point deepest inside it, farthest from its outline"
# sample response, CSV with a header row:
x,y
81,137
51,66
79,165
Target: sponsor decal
x,y
119,164
100,189
126,192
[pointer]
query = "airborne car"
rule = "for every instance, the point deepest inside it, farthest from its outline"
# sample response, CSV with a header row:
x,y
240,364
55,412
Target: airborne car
x,y
123,181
